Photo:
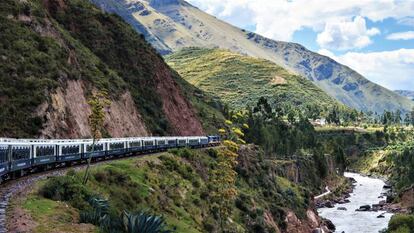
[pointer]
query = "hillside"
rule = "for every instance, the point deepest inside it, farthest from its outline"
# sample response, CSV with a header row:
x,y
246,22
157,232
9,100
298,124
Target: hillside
x,y
177,185
240,81
174,24
56,53
405,93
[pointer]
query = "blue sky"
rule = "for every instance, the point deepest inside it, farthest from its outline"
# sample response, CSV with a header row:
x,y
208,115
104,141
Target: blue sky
x,y
374,37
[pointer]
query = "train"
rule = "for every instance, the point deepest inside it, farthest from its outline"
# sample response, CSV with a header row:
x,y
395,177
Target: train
x,y
19,157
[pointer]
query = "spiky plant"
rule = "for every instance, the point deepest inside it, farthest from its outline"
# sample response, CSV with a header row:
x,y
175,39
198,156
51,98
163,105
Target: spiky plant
x,y
144,223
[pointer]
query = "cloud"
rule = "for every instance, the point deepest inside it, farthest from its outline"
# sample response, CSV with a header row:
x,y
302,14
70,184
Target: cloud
x,y
408,35
280,19
345,35
392,69
409,21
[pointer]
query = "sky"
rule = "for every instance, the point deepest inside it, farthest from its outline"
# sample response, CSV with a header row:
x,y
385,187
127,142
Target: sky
x,y
373,37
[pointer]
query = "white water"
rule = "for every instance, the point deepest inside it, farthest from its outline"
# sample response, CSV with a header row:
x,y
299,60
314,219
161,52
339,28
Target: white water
x,y
366,192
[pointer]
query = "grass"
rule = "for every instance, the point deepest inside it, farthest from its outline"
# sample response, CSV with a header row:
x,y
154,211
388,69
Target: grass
x,y
53,216
240,80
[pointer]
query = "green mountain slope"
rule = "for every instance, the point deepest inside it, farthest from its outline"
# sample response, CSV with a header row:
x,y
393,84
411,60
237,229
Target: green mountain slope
x,y
241,80
174,24
56,53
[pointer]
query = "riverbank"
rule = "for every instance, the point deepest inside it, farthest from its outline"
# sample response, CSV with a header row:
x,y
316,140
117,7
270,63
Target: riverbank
x,y
361,208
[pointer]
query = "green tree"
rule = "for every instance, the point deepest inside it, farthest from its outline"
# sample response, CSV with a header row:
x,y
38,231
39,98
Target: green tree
x,y
98,102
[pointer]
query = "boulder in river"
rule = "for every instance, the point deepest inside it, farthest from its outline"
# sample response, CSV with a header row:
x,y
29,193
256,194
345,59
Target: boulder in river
x,y
364,208
387,186
329,204
329,225
341,208
381,216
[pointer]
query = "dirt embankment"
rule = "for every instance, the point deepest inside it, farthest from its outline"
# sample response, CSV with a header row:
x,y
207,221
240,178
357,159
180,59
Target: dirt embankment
x,y
68,111
176,107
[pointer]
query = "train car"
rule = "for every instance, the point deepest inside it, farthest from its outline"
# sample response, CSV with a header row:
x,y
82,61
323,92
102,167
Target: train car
x,y
149,144
172,142
161,143
193,142
116,147
69,151
4,159
134,145
98,152
20,155
182,141
43,152
203,141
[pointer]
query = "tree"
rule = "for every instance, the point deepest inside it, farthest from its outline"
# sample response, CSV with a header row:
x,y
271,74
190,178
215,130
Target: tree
x,y
397,117
407,119
412,117
98,102
224,181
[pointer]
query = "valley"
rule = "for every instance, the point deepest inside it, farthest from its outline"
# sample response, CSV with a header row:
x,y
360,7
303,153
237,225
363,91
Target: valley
x,y
153,116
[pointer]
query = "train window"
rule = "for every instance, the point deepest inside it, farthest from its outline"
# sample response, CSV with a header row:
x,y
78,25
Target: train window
x,y
161,142
149,143
181,141
98,147
117,146
67,150
3,154
135,144
193,141
171,142
44,151
20,152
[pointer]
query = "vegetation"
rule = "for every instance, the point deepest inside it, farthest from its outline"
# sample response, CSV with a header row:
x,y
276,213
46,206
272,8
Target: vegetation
x,y
98,102
240,81
44,44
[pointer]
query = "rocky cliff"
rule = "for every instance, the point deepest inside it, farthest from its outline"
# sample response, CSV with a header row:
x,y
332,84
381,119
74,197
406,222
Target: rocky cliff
x,y
56,53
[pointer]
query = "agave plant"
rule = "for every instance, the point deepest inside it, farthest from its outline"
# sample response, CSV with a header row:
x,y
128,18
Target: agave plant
x,y
144,223
100,213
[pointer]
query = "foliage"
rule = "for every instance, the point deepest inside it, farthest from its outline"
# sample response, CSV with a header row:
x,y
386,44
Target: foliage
x,y
144,223
240,81
67,188
98,103
401,223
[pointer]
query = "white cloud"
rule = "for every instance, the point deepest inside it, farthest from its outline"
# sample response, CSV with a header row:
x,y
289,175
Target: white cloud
x,y
344,35
391,69
407,21
280,19
409,35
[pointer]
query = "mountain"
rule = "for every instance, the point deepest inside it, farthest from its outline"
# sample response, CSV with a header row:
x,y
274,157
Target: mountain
x,y
405,93
240,80
174,24
56,53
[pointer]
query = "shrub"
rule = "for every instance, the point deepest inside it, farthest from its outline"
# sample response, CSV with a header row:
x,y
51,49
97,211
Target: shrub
x,y
400,223
67,188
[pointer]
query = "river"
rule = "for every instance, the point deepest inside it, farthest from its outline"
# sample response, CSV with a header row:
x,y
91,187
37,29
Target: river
x,y
366,192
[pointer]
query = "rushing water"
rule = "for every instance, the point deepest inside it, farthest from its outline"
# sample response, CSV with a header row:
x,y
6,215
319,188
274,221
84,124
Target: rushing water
x,y
366,192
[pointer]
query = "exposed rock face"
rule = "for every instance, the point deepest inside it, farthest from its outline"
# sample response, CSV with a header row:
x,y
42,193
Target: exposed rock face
x,y
296,225
67,114
178,110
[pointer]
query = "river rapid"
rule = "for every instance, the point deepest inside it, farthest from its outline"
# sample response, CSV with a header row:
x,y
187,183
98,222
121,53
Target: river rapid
x,y
366,192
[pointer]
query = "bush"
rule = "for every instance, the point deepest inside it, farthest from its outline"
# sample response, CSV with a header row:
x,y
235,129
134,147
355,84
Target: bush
x,y
401,223
69,189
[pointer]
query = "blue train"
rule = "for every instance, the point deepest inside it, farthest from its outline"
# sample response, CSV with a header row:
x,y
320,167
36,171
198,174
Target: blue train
x,y
22,156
